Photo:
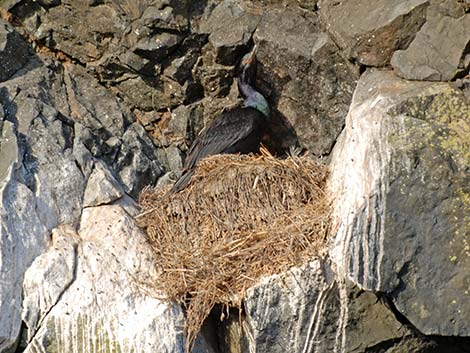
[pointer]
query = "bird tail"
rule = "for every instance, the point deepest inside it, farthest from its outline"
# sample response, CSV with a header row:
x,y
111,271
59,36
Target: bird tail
x,y
182,181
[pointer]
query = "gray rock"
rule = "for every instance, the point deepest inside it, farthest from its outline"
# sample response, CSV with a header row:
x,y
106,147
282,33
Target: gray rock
x,y
128,204
445,8
180,119
174,159
14,53
135,62
230,27
306,310
90,291
92,105
370,31
400,182
8,148
438,51
56,268
180,126
215,79
102,187
99,30
46,155
157,47
167,179
180,69
49,3
167,15
152,94
52,169
23,236
81,153
304,78
44,136
137,162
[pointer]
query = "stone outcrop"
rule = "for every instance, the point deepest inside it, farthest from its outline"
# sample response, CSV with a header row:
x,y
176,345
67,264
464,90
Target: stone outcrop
x,y
439,51
100,99
57,122
230,28
84,292
400,173
14,51
370,31
308,81
307,309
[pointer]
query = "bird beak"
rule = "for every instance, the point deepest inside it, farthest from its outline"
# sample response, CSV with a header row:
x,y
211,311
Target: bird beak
x,y
252,56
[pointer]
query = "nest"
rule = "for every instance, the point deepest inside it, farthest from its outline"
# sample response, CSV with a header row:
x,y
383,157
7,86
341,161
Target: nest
x,y
240,218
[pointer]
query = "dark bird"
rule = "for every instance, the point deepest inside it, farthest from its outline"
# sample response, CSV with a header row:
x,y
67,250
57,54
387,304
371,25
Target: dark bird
x,y
238,130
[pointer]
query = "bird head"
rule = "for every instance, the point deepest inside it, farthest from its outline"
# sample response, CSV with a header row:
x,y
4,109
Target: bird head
x,y
246,84
248,67
249,58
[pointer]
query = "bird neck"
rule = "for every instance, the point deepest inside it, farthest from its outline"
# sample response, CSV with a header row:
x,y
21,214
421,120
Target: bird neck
x,y
254,99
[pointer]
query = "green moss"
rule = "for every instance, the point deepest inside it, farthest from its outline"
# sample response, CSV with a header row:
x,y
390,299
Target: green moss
x,y
86,334
433,131
445,123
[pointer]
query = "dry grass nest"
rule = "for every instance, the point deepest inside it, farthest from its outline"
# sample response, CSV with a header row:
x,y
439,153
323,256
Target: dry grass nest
x,y
240,218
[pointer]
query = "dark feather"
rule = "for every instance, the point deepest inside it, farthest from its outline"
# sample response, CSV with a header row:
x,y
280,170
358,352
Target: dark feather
x,y
239,130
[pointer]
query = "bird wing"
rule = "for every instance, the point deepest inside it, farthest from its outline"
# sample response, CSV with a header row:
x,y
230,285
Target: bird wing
x,y
224,131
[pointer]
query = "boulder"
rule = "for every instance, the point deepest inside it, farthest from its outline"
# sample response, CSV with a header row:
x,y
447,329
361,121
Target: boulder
x,y
88,292
230,27
90,104
306,309
401,187
439,51
370,31
180,69
58,126
137,161
9,150
216,79
102,187
449,8
14,53
172,15
157,47
304,78
99,30
44,136
23,236
152,94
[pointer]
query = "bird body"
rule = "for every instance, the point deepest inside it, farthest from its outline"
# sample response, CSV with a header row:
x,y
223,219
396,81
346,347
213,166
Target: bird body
x,y
238,130
234,131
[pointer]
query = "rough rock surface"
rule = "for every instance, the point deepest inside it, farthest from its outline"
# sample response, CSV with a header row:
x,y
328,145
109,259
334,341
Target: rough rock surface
x,y
302,72
230,27
370,31
56,122
13,51
307,310
22,237
105,99
137,160
102,187
439,52
400,173
84,292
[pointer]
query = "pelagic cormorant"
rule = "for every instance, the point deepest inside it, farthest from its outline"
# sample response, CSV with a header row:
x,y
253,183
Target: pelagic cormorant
x,y
238,130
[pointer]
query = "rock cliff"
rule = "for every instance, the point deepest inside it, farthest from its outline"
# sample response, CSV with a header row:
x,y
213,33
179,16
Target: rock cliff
x,y
101,98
